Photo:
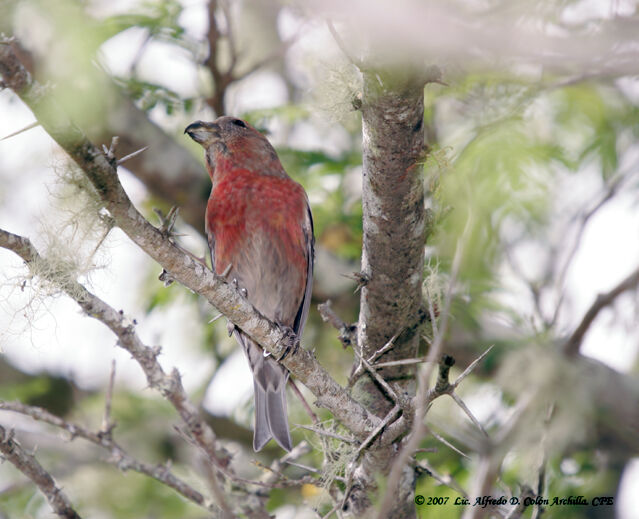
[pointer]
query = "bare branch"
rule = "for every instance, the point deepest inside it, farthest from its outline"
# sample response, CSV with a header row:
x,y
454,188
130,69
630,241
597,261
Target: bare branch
x,y
118,456
386,347
340,43
132,155
28,127
613,186
470,367
303,401
107,424
29,466
347,332
447,480
324,432
571,347
387,420
518,511
221,78
443,440
275,470
401,362
470,415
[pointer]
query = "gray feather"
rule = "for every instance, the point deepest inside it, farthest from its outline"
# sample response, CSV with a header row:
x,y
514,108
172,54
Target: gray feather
x,y
269,385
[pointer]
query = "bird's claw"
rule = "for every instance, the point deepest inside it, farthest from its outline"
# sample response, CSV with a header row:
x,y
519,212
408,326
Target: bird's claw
x,y
291,342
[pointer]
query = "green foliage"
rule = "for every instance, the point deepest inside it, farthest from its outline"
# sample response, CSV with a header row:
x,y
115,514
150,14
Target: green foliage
x,y
56,394
148,95
593,119
492,182
21,501
159,17
137,496
288,114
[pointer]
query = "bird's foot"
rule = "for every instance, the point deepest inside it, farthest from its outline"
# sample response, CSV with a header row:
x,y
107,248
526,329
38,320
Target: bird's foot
x,y
291,342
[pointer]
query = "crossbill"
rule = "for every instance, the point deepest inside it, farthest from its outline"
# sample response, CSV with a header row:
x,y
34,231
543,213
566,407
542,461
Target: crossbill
x,y
260,233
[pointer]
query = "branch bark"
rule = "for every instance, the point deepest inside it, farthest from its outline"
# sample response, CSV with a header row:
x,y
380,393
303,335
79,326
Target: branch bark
x,y
29,466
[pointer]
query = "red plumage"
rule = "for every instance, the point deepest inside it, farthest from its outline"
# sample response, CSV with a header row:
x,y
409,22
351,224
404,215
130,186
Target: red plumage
x,y
260,232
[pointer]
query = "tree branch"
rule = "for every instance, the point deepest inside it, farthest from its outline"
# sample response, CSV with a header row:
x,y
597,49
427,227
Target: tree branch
x,y
571,347
181,267
119,456
29,466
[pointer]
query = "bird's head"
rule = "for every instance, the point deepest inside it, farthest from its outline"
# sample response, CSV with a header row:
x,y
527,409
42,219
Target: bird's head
x,y
236,140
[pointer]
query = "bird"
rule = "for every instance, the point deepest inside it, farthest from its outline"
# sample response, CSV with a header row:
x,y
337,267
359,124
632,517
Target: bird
x,y
260,234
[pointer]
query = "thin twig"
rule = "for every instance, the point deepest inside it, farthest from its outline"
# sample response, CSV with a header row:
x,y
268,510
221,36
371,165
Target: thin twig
x,y
131,155
347,332
448,480
390,416
107,424
324,432
471,367
613,187
371,437
443,440
470,415
386,347
301,398
631,282
340,43
28,127
338,506
518,511
541,476
278,465
380,380
401,362
216,490
215,318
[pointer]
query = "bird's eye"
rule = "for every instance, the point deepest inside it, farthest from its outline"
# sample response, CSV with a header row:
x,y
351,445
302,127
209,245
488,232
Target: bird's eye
x,y
238,122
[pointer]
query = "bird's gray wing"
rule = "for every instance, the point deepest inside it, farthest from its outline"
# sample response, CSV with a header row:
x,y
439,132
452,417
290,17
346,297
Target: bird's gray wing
x,y
309,237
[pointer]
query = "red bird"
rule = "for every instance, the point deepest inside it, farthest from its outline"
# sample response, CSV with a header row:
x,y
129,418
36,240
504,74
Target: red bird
x,y
260,233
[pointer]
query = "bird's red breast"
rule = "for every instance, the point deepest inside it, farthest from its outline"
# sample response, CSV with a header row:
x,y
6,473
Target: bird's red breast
x,y
256,223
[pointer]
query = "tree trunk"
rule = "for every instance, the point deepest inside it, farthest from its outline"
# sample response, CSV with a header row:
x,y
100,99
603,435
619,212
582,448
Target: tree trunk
x,y
392,257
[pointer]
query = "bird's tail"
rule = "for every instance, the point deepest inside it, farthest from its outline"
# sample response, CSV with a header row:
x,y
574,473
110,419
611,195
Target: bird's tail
x,y
269,382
